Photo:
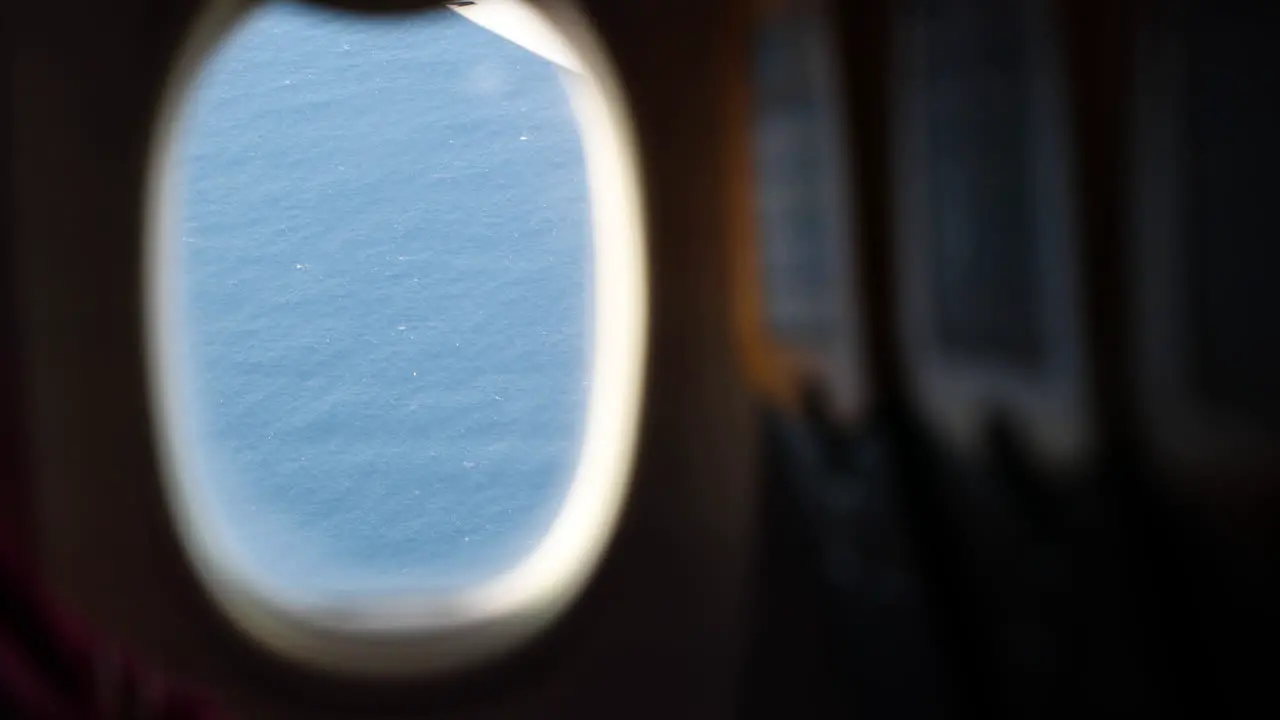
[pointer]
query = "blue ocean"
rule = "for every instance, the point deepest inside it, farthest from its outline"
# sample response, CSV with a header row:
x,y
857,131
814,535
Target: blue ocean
x,y
385,261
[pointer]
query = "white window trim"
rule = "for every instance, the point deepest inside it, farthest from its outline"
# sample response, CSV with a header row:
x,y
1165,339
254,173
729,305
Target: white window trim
x,y
430,633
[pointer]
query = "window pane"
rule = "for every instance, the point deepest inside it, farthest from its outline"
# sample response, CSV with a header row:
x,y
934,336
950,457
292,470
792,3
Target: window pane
x,y
384,272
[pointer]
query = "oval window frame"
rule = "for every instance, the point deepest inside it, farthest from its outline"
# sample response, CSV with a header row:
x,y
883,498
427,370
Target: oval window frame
x,y
434,632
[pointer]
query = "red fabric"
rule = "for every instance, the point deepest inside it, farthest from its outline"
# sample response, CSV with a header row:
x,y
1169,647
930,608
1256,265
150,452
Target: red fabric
x,y
51,667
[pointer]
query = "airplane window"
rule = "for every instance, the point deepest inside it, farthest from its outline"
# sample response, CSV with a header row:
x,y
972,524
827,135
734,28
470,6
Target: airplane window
x,y
377,304
982,249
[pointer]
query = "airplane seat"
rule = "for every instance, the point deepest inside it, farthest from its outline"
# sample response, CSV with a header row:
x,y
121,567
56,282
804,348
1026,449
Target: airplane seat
x,y
53,666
